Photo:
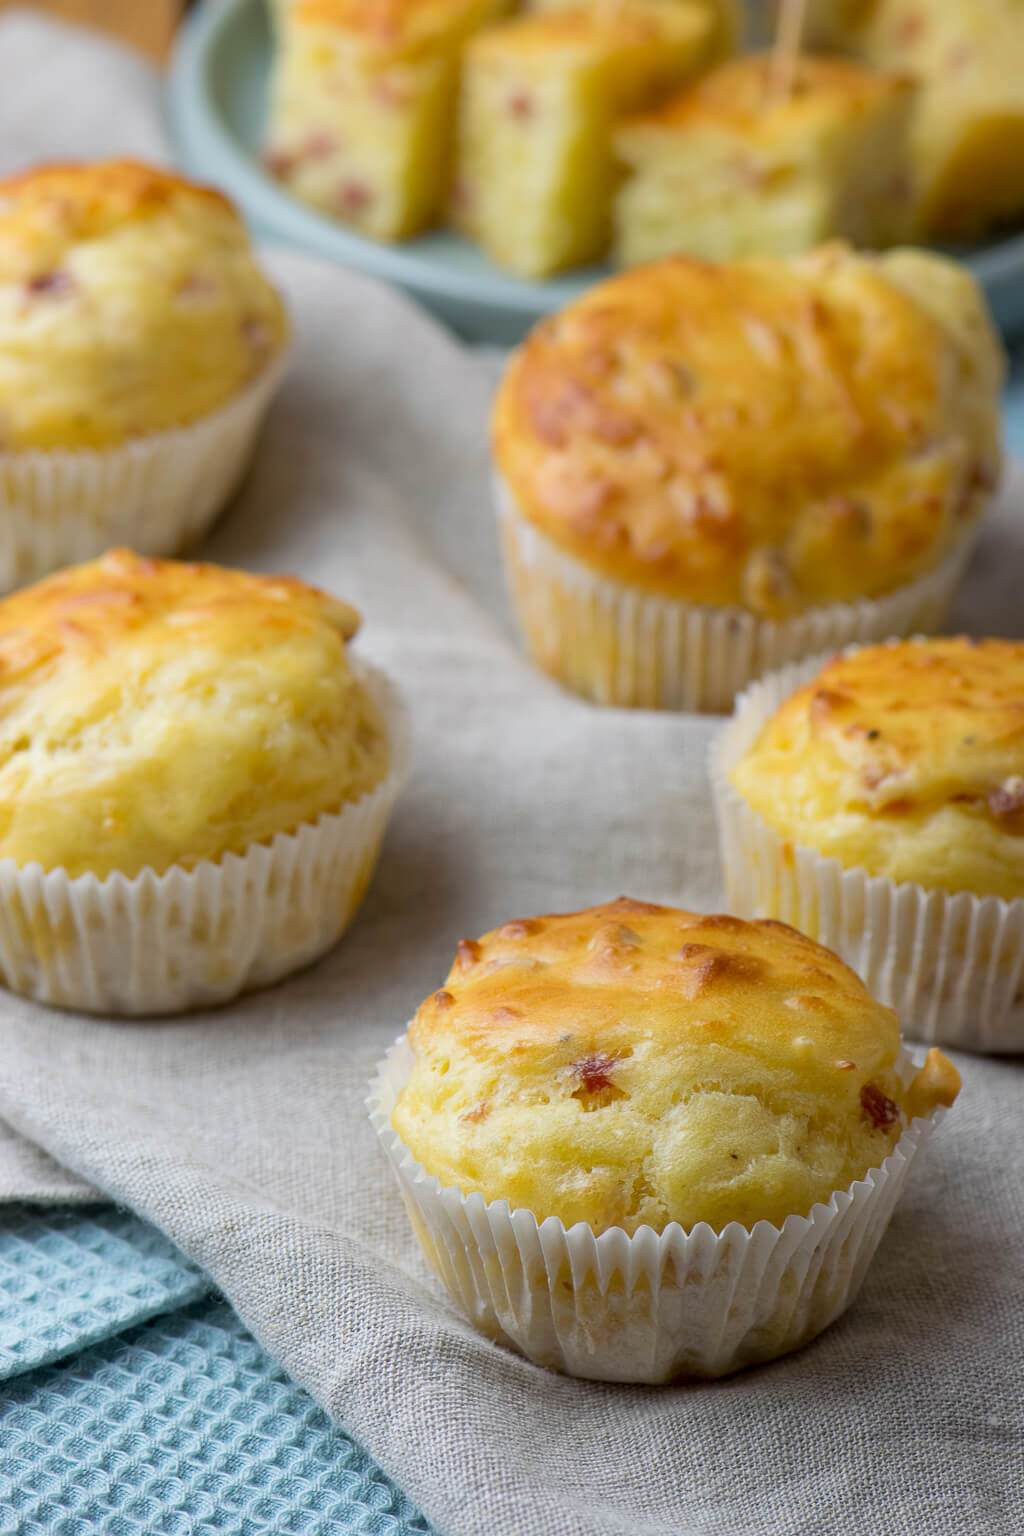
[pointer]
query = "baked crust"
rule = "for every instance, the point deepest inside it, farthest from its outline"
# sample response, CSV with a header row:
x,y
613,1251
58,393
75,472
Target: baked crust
x,y
155,713
905,760
737,97
633,1064
130,302
770,434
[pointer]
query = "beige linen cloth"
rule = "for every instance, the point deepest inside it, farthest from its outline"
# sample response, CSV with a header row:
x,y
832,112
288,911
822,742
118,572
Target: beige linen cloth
x,y
243,1135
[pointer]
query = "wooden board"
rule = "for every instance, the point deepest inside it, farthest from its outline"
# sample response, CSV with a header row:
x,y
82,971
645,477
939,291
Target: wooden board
x,y
146,24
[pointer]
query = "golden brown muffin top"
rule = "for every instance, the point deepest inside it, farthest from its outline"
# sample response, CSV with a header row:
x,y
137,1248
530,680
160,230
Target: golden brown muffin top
x,y
636,1064
913,727
536,984
154,712
85,610
767,434
46,210
740,97
131,302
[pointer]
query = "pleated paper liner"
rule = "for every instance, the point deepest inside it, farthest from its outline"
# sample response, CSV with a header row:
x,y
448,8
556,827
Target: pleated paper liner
x,y
157,494
619,646
652,1307
192,938
951,964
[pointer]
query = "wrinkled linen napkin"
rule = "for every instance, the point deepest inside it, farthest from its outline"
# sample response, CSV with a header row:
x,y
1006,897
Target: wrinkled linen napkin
x,y
242,1133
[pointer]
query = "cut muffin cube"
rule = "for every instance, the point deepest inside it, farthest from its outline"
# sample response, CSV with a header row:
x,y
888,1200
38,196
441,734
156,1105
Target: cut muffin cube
x,y
362,106
968,138
729,169
540,97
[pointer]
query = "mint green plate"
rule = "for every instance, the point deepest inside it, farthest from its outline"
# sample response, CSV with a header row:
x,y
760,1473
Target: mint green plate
x,y
215,107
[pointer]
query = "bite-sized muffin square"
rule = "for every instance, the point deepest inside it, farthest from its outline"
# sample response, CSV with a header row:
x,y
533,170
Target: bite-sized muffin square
x,y
968,140
540,97
730,168
362,106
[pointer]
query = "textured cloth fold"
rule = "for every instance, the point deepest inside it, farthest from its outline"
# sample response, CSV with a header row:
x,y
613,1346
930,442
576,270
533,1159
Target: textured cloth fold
x,y
242,1133
183,1426
70,1278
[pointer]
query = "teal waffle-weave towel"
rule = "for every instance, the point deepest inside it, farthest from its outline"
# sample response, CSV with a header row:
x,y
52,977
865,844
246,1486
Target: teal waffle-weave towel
x,y
69,1278
178,1424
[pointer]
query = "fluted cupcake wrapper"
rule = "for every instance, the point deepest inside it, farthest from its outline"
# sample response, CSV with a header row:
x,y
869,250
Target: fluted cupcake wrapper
x,y
651,1307
951,964
619,646
157,494
192,938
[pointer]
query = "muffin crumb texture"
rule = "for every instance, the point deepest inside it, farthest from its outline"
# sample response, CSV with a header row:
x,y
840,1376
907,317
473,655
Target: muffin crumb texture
x,y
130,303
903,760
156,713
731,167
635,1064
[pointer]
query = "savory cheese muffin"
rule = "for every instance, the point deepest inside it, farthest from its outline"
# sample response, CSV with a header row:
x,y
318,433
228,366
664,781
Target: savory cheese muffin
x,y
156,713
634,1065
880,806
707,470
732,168
362,109
641,1070
968,137
540,96
160,718
130,302
140,344
905,761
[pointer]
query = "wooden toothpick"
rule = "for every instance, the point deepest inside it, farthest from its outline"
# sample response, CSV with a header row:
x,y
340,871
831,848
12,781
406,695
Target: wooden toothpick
x,y
786,55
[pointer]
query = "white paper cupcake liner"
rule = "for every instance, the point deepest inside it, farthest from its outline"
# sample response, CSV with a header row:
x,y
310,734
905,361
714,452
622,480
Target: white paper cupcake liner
x,y
952,965
156,494
618,646
655,1306
192,938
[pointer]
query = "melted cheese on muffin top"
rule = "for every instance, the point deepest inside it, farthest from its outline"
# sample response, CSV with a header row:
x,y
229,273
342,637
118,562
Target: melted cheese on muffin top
x,y
156,713
767,434
635,1064
130,302
905,760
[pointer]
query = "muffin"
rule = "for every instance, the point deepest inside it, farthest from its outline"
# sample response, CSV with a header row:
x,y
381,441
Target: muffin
x,y
730,168
968,137
195,775
640,1143
540,95
140,344
880,807
362,107
705,471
